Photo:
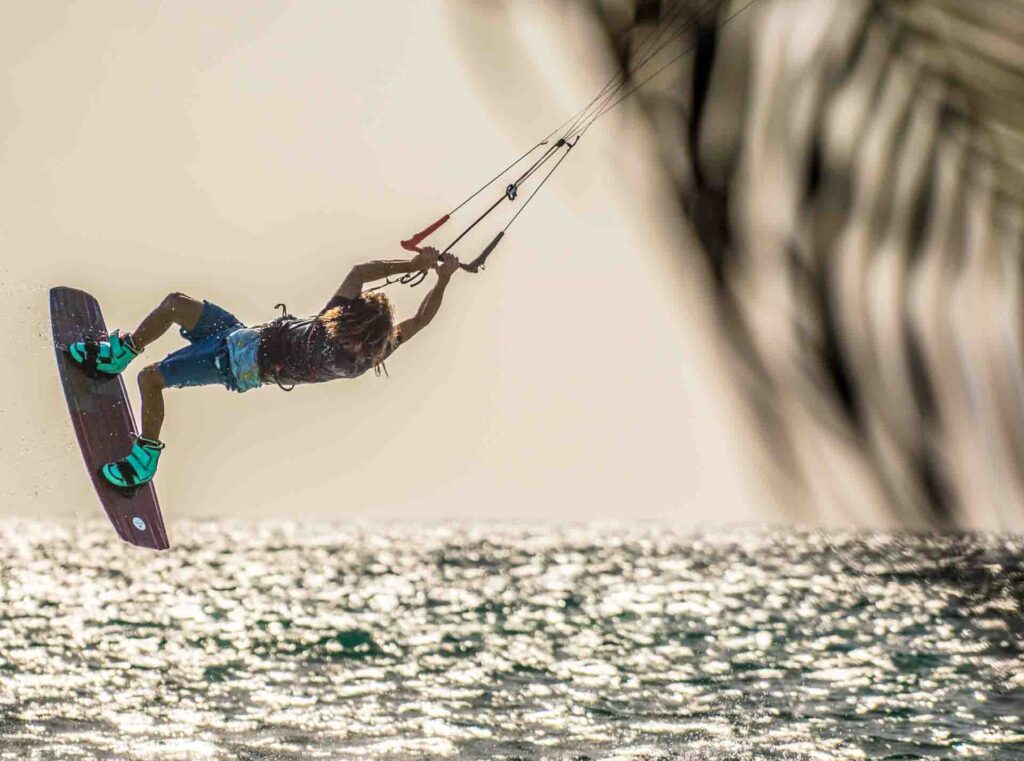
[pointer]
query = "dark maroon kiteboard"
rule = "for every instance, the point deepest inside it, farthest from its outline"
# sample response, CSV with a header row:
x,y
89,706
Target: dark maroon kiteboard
x,y
103,420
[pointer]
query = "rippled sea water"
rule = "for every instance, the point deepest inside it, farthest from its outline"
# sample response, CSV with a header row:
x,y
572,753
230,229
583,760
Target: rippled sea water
x,y
288,641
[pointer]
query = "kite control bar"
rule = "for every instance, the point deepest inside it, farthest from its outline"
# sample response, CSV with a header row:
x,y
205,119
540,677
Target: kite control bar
x,y
413,243
474,266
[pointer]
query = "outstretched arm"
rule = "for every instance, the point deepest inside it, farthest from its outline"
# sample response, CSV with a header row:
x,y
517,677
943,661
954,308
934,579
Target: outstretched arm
x,y
432,302
367,272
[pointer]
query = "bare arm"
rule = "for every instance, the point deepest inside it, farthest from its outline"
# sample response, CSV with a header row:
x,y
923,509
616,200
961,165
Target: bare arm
x,y
432,302
367,272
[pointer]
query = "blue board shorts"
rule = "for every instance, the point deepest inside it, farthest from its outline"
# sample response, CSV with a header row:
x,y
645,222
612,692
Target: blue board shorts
x,y
205,361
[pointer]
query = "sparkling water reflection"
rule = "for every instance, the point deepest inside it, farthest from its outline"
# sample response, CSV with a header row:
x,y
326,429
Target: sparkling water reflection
x,y
281,641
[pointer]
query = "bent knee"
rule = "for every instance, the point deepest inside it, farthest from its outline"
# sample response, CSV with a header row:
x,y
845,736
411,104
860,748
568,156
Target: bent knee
x,y
151,378
177,301
183,309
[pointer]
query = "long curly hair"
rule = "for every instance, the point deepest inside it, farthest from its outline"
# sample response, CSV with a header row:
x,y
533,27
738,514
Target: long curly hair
x,y
365,326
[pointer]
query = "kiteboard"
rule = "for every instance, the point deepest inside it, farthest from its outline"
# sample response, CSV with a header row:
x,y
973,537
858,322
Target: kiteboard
x,y
103,420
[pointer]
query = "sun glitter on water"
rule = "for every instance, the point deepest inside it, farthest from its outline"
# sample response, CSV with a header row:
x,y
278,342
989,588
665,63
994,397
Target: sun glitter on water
x,y
281,641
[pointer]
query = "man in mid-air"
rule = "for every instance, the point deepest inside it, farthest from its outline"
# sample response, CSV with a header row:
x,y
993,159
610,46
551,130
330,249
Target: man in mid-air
x,y
352,333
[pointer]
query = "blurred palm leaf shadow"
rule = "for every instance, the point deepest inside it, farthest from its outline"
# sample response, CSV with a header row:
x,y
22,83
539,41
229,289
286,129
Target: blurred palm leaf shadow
x,y
853,175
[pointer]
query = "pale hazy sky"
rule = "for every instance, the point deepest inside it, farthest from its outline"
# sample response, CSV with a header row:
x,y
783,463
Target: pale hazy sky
x,y
252,153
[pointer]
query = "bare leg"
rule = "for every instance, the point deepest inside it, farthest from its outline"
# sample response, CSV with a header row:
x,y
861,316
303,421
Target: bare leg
x,y
151,387
176,308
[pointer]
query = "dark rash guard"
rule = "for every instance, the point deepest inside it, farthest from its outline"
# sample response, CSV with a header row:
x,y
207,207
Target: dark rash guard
x,y
296,350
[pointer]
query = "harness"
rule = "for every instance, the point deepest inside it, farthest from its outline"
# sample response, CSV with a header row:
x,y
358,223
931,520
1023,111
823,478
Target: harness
x,y
272,334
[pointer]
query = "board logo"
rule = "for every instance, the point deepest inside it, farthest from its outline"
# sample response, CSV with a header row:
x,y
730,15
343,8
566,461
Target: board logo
x,y
139,523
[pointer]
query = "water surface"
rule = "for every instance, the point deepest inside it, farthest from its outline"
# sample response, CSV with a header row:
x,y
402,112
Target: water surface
x,y
298,641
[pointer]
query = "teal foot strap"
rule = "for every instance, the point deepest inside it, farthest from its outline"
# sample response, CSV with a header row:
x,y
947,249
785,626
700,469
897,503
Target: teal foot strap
x,y
108,357
137,468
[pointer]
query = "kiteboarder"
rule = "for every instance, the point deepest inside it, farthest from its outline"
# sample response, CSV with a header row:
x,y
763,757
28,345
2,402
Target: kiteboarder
x,y
352,333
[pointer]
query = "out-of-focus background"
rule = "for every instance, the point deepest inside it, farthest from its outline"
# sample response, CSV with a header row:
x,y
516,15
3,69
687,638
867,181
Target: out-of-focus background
x,y
854,171
252,155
